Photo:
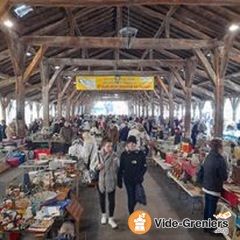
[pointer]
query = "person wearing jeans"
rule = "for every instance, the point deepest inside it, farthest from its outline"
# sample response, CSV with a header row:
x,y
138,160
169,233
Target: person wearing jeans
x,y
214,174
132,169
106,163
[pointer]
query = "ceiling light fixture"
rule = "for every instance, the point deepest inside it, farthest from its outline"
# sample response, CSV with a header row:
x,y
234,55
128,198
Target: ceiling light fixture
x,y
57,67
23,10
8,23
234,27
29,54
128,33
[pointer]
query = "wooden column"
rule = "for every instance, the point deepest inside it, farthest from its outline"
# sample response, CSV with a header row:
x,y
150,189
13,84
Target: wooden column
x,y
152,104
17,54
190,70
31,110
73,110
69,103
142,103
161,104
4,104
171,102
44,72
216,72
182,110
235,103
139,103
194,110
201,106
38,107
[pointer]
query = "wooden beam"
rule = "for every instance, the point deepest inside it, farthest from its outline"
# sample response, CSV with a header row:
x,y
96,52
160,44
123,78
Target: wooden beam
x,y
179,79
4,7
113,73
118,63
118,42
65,87
211,73
54,77
35,62
167,20
70,21
162,84
226,49
78,3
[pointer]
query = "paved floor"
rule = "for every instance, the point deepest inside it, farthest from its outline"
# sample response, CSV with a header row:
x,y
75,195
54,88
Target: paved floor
x,y
163,201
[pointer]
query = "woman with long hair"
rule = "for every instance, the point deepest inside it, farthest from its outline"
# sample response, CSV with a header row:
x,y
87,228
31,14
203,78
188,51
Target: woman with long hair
x,y
106,164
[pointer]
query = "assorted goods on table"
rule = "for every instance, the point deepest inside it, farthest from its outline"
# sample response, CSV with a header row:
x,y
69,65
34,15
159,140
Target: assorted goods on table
x,y
184,166
41,199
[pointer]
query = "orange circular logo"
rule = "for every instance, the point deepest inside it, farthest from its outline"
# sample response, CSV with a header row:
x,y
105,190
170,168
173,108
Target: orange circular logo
x,y
139,222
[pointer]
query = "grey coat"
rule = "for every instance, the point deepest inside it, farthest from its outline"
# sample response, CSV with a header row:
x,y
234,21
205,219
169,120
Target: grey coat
x,y
108,174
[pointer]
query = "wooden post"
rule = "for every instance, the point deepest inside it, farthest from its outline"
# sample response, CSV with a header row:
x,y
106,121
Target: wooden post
x,y
217,74
44,72
235,103
171,102
38,107
139,103
17,54
194,109
31,110
143,111
4,104
190,70
161,104
73,110
152,104
182,111
201,106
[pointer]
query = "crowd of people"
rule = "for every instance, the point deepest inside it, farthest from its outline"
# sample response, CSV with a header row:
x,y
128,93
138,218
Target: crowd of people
x,y
120,158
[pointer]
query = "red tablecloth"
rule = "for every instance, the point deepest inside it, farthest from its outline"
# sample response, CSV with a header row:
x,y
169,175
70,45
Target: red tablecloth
x,y
189,168
170,158
230,197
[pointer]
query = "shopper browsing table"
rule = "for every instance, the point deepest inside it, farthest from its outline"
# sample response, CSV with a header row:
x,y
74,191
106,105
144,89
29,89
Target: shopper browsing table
x,y
106,162
132,169
214,174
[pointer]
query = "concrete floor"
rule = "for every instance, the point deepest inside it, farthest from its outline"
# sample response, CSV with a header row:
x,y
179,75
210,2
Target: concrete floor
x,y
163,201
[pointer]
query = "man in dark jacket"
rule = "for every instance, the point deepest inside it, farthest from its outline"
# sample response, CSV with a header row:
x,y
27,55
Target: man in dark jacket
x,y
132,169
214,174
123,133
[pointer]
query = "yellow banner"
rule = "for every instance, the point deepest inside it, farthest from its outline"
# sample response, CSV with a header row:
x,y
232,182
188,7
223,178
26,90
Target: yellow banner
x,y
105,83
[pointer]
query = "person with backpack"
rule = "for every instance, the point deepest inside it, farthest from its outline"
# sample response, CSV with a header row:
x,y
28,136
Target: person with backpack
x,y
105,165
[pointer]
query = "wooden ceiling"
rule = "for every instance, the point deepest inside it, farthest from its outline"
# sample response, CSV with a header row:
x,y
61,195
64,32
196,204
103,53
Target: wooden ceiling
x,y
82,37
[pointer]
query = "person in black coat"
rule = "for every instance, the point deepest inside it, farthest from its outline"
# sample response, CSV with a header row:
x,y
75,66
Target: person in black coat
x,y
123,133
214,175
132,169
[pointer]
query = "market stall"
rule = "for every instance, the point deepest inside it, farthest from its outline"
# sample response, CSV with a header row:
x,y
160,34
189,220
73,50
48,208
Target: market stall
x,y
40,203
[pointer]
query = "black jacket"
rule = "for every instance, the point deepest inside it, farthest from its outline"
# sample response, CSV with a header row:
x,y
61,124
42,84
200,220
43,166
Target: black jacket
x,y
123,134
214,172
132,167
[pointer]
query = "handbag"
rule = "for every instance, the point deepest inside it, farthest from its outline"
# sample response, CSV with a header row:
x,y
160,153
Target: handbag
x,y
94,174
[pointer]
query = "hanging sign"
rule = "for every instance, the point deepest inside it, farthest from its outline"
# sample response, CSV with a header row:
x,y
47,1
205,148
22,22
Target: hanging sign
x,y
105,83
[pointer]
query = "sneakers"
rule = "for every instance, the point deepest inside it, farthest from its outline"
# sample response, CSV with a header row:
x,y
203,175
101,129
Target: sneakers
x,y
104,219
112,223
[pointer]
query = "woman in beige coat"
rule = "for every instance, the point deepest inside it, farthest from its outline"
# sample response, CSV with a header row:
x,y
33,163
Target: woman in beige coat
x,y
106,162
